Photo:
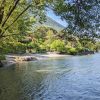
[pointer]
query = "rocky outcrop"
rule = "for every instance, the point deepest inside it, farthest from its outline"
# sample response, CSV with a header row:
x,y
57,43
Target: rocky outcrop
x,y
5,63
1,64
24,58
29,59
18,58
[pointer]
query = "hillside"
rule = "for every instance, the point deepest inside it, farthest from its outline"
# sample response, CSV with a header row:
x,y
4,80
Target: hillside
x,y
50,23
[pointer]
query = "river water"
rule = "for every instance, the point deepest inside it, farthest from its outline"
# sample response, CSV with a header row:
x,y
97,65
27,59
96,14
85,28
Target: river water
x,y
66,78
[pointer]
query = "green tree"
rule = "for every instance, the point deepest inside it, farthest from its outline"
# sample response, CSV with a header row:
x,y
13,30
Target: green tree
x,y
58,45
82,16
17,17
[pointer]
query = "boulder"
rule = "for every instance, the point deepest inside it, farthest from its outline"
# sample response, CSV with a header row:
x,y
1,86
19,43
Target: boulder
x,y
29,59
1,64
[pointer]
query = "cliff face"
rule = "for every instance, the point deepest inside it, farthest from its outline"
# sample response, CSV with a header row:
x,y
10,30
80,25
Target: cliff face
x,y
50,23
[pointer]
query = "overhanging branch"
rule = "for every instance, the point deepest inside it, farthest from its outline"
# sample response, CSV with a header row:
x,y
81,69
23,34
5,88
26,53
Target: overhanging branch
x,y
9,35
10,12
16,18
2,10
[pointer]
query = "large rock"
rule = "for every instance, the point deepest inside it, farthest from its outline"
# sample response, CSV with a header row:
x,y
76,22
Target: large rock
x,y
21,58
29,59
1,64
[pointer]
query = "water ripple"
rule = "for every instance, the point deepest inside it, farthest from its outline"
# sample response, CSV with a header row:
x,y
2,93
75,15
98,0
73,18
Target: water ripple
x,y
71,78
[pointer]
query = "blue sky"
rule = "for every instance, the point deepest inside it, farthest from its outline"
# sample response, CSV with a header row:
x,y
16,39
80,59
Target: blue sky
x,y
56,18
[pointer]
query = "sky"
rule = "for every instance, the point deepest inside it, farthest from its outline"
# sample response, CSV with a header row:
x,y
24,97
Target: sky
x,y
51,14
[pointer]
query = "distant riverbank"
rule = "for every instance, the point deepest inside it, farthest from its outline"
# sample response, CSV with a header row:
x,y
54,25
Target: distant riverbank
x,y
15,57
12,59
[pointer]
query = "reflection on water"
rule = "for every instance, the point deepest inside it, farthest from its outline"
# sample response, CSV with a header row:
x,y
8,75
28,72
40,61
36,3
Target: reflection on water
x,y
70,78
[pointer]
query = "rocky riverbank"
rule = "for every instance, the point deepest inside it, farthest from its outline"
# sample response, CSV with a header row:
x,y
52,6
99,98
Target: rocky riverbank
x,y
6,63
32,57
12,59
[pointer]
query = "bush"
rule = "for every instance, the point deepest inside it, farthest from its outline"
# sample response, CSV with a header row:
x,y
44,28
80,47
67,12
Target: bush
x,y
42,48
71,50
58,45
79,47
2,57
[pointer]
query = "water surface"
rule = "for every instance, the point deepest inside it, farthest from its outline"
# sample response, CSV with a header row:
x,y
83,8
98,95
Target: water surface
x,y
68,78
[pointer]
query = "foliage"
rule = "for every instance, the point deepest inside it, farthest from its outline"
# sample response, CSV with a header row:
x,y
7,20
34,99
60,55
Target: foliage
x,y
16,20
46,39
57,45
72,51
97,46
82,15
12,46
18,16
2,57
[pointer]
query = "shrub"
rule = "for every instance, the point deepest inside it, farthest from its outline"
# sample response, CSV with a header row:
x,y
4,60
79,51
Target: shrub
x,y
71,50
57,45
79,47
2,57
42,48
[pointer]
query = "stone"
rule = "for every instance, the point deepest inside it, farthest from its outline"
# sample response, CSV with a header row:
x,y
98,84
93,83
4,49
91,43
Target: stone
x,y
29,59
1,64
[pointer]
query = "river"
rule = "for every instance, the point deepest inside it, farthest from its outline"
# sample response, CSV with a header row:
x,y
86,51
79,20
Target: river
x,y
66,78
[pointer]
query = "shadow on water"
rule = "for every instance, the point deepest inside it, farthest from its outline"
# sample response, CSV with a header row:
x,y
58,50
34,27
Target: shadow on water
x,y
69,78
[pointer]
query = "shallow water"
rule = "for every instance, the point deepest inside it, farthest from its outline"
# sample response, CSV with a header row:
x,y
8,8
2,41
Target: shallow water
x,y
69,78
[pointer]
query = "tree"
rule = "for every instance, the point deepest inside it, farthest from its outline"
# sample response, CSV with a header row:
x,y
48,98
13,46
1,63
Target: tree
x,y
24,9
17,17
58,45
82,16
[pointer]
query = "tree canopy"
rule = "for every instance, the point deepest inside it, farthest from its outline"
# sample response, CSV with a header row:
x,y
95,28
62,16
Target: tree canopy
x,y
18,16
19,13
82,16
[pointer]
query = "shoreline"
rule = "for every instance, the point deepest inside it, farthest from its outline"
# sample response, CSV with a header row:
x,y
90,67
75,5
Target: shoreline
x,y
12,59
7,63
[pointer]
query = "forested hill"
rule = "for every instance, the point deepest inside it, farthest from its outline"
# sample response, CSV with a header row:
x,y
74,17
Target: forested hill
x,y
50,23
